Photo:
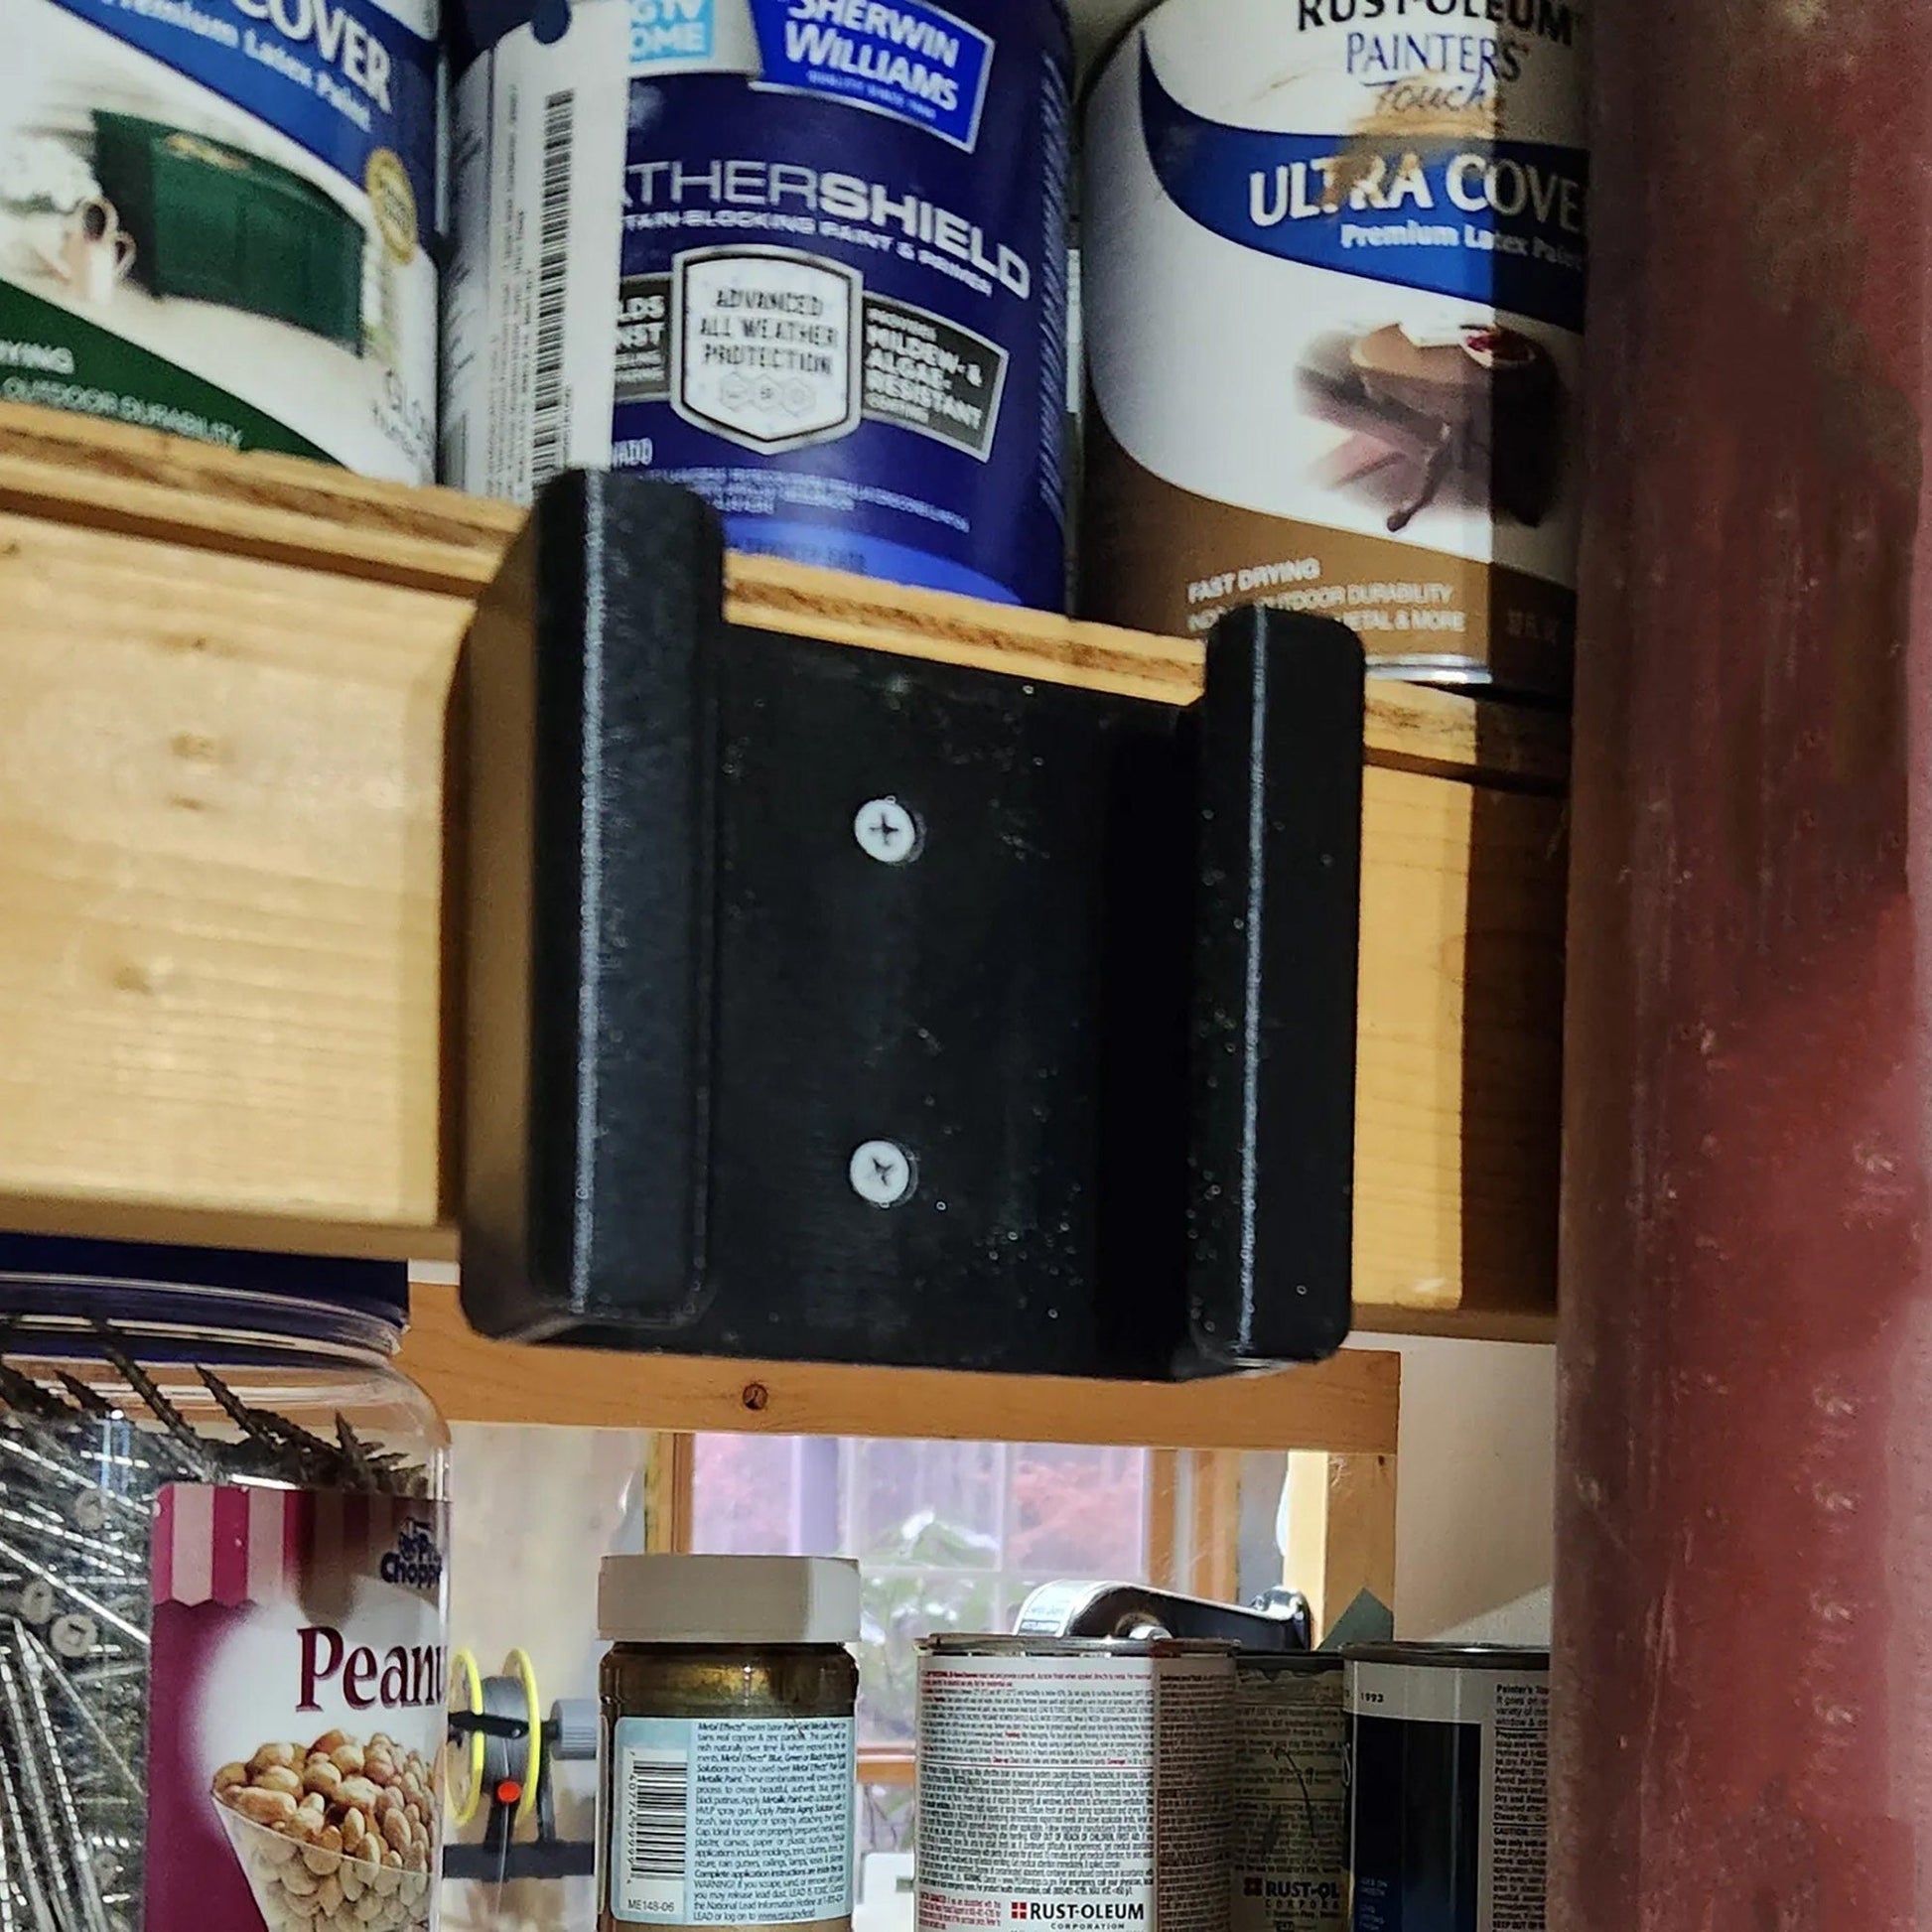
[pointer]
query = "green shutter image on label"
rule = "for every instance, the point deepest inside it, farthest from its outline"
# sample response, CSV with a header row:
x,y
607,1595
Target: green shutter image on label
x,y
218,224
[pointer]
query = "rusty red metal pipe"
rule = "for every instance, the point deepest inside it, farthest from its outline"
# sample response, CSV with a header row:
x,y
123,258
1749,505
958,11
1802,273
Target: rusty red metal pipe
x,y
1743,1679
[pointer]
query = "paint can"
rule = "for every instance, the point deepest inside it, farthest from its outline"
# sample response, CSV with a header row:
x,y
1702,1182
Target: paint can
x,y
1449,1807
1289,1793
214,219
1332,283
727,1730
1073,1782
807,257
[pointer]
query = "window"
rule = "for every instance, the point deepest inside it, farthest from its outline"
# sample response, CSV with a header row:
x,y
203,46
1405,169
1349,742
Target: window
x,y
953,1534
949,1536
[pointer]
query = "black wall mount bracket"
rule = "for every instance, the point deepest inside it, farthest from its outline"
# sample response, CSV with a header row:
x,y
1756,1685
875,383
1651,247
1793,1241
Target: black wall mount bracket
x,y
836,1004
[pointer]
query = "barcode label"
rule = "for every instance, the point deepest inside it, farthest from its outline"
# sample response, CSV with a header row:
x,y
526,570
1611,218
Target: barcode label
x,y
733,1822
550,405
653,1834
653,1840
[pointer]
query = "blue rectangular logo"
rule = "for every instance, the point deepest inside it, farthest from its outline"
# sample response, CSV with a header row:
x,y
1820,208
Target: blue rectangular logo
x,y
900,58
662,31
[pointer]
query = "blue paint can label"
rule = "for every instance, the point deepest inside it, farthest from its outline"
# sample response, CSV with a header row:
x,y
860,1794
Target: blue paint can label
x,y
805,257
1449,1793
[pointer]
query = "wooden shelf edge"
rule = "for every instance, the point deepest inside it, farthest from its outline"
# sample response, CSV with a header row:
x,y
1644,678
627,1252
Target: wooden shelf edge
x,y
1456,1324
283,509
1349,1405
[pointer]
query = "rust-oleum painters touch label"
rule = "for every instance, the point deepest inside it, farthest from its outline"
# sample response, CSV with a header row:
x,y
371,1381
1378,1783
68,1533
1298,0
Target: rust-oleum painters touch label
x,y
805,257
1332,270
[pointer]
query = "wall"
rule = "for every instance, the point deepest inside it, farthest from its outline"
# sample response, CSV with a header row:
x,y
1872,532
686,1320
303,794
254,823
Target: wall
x,y
1474,1480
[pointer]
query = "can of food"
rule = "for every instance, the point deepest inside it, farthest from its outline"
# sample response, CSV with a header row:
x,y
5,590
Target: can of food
x,y
727,1743
1073,1782
807,257
1290,1793
1449,1810
1332,289
214,218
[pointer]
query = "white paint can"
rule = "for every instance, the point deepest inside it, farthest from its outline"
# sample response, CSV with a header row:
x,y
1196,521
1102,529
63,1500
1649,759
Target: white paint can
x,y
1073,1782
214,220
1290,1793
1333,295
1449,1749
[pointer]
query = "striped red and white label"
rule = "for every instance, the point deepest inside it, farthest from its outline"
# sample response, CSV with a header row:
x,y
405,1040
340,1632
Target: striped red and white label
x,y
238,1546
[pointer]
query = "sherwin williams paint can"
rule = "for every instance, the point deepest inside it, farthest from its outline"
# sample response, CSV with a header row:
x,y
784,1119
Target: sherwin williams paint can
x,y
215,217
807,257
1449,1808
1071,1782
1290,1793
1333,292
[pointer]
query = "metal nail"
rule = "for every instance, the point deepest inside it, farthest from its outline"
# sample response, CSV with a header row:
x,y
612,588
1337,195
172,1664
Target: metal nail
x,y
20,1391
39,1913
23,1453
27,1765
82,1709
67,1812
103,1554
74,1593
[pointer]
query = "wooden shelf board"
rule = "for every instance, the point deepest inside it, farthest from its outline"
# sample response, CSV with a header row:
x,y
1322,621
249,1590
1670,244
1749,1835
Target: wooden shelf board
x,y
222,857
280,509
1349,1405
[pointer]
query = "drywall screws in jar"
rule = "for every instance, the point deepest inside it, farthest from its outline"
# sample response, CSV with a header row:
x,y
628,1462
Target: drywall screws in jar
x,y
183,1569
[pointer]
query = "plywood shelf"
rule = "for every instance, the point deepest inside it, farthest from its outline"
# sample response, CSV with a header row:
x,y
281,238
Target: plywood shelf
x,y
222,996
1345,1407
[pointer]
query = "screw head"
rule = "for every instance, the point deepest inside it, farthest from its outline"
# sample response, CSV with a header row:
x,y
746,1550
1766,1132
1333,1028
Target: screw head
x,y
37,1603
74,1635
883,1173
887,831
89,1509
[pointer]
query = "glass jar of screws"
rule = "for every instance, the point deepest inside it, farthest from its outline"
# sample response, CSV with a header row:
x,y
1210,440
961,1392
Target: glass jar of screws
x,y
223,1607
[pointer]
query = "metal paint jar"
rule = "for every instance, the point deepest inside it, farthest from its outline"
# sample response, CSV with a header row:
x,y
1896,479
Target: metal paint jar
x,y
806,257
727,1752
216,219
1073,1782
1448,1809
1290,1793
1332,263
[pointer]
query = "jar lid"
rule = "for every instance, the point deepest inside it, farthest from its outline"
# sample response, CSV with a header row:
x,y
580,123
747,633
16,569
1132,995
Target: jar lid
x,y
378,1288
728,1599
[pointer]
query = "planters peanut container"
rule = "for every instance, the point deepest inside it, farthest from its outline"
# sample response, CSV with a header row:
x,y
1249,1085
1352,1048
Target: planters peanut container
x,y
807,257
215,216
1332,282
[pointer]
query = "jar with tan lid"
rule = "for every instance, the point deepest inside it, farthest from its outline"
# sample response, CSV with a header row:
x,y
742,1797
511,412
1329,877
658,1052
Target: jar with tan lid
x,y
727,1754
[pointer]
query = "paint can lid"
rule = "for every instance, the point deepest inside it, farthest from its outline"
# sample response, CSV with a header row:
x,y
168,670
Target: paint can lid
x,y
1449,1656
728,1599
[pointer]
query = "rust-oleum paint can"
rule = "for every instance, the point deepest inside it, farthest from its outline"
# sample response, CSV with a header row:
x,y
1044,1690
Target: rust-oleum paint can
x,y
1290,1793
1449,1750
1078,1782
1333,262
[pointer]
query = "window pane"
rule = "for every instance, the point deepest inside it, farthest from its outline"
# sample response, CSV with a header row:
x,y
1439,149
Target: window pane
x,y
885,1818
936,1504
744,1495
1264,1473
899,1606
1078,1512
